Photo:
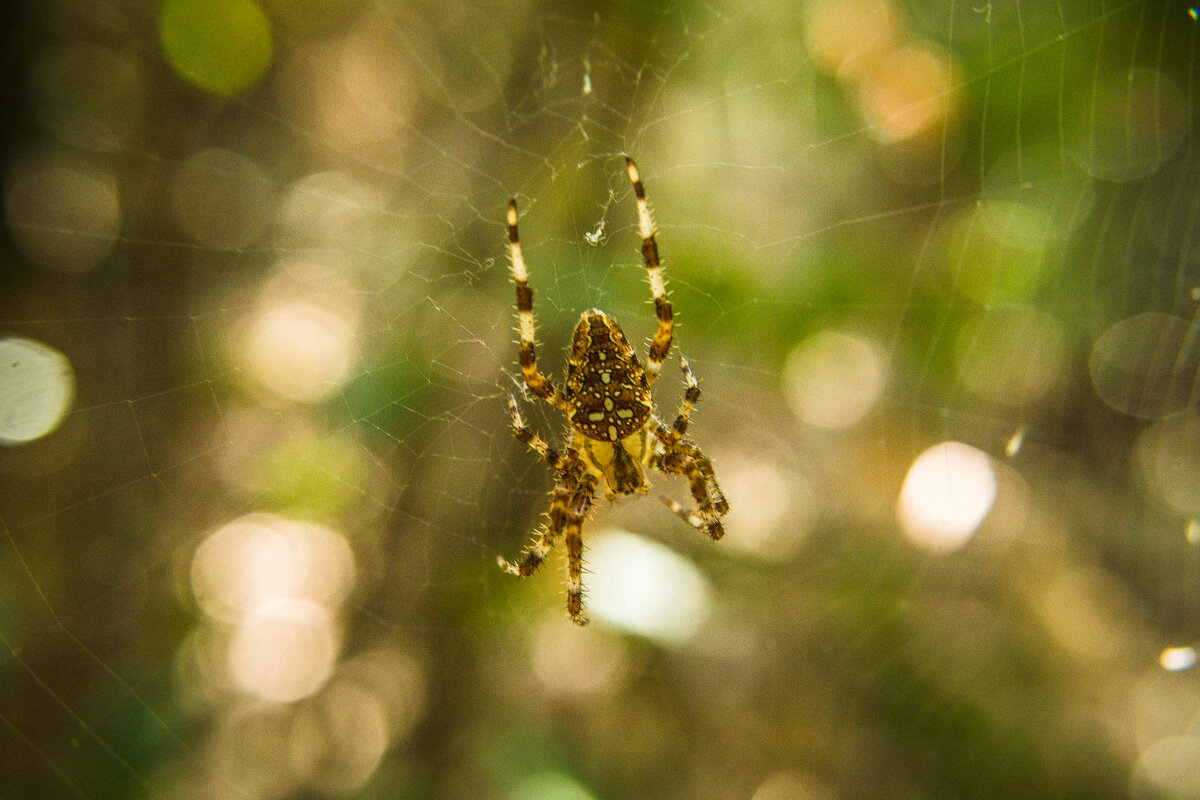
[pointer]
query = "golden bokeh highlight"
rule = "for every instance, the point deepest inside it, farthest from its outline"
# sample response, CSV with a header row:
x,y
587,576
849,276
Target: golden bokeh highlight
x,y
301,341
280,584
1177,659
912,95
63,212
1143,365
284,650
1169,769
1083,608
793,786
773,508
1168,457
907,90
1012,355
339,737
222,199
358,90
88,95
848,39
337,214
254,561
833,379
578,663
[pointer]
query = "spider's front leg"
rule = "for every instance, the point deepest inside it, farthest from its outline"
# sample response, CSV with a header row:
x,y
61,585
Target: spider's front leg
x,y
538,383
661,344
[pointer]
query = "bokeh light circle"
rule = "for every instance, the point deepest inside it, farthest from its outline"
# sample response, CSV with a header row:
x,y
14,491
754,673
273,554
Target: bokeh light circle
x,y
1143,365
832,379
912,95
221,46
63,213
1012,355
645,588
1168,453
1169,769
88,95
847,38
37,386
301,350
947,493
258,559
222,199
1133,121
285,651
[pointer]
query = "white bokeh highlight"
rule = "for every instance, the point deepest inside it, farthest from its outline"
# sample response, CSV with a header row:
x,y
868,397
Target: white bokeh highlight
x,y
37,386
949,490
832,379
643,587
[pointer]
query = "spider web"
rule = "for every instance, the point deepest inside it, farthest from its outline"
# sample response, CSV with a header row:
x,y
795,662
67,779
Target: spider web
x,y
933,264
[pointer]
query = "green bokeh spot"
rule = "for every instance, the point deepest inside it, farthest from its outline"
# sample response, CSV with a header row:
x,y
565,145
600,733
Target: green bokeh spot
x,y
221,46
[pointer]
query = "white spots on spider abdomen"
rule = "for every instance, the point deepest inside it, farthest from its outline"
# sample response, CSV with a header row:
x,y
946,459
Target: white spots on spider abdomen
x,y
606,385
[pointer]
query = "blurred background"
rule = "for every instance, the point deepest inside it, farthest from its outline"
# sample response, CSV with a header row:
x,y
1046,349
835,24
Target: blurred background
x,y
936,266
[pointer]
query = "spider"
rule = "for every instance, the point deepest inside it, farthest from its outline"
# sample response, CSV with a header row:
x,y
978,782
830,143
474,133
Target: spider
x,y
614,434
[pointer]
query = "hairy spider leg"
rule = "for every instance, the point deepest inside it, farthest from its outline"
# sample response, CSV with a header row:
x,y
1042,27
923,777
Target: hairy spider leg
x,y
565,488
536,443
580,505
690,396
688,461
538,383
661,344
560,514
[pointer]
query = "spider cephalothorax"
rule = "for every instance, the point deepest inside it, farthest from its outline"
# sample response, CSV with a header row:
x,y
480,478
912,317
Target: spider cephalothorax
x,y
606,400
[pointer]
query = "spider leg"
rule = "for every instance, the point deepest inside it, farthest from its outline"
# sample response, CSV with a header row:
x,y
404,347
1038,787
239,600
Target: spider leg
x,y
535,442
580,506
661,343
690,396
537,383
560,514
687,460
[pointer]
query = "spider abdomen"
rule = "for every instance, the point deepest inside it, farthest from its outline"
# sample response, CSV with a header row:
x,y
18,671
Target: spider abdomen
x,y
607,392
